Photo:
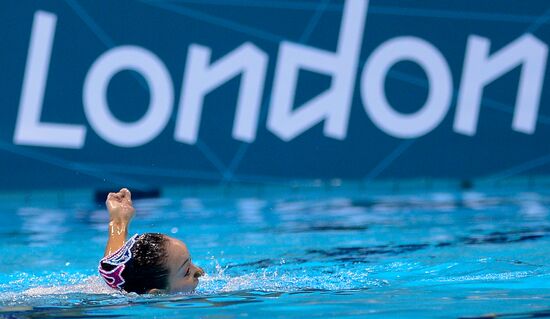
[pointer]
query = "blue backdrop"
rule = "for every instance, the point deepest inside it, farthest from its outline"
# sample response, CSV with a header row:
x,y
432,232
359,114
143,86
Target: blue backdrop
x,y
148,93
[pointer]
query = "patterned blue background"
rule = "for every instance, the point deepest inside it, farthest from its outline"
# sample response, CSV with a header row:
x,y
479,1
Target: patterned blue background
x,y
86,29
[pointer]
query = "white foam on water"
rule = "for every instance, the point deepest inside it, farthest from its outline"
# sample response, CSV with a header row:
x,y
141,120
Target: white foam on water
x,y
286,279
52,288
90,285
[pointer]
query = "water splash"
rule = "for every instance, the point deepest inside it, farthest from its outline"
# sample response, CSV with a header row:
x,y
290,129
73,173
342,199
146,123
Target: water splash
x,y
286,277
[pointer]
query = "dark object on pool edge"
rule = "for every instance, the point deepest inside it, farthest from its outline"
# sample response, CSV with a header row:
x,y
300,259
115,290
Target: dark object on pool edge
x,y
466,184
100,195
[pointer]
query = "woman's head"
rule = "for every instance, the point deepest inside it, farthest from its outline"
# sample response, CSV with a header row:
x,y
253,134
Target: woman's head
x,y
158,263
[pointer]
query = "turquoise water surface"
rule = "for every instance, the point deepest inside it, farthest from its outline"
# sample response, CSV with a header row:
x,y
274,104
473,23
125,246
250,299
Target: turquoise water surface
x,y
320,254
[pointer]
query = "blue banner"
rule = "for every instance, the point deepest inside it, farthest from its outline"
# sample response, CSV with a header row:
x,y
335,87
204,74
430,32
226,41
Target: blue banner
x,y
149,93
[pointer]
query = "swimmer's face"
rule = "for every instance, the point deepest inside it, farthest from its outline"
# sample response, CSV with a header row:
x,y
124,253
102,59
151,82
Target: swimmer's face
x,y
183,274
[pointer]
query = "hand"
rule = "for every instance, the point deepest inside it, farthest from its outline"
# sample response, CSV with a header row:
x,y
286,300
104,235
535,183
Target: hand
x,y
120,206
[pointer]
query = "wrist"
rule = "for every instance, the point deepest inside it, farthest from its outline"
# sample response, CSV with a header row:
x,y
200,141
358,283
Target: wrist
x,y
118,228
118,223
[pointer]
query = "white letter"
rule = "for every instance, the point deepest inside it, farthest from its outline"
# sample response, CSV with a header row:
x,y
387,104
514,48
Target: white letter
x,y
201,78
439,79
28,128
480,70
332,105
95,96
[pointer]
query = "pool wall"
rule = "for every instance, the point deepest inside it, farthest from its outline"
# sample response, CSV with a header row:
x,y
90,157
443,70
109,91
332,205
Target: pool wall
x,y
150,94
292,190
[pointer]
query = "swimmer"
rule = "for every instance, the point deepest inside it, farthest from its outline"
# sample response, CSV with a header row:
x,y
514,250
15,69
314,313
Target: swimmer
x,y
148,263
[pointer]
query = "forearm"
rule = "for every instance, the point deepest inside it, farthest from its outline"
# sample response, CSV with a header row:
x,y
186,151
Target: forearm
x,y
121,212
118,232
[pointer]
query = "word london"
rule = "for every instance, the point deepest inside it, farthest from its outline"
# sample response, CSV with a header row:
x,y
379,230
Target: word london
x,y
284,119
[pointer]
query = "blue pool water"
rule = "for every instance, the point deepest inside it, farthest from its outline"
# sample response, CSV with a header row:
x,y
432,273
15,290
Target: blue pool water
x,y
320,254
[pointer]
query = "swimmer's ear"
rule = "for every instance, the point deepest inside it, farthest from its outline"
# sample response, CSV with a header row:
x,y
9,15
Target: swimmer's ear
x,y
155,291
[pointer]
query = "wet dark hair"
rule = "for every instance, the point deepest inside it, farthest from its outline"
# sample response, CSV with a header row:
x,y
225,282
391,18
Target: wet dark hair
x,y
147,269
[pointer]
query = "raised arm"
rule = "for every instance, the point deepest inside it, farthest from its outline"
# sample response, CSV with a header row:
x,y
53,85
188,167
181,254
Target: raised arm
x,y
121,212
